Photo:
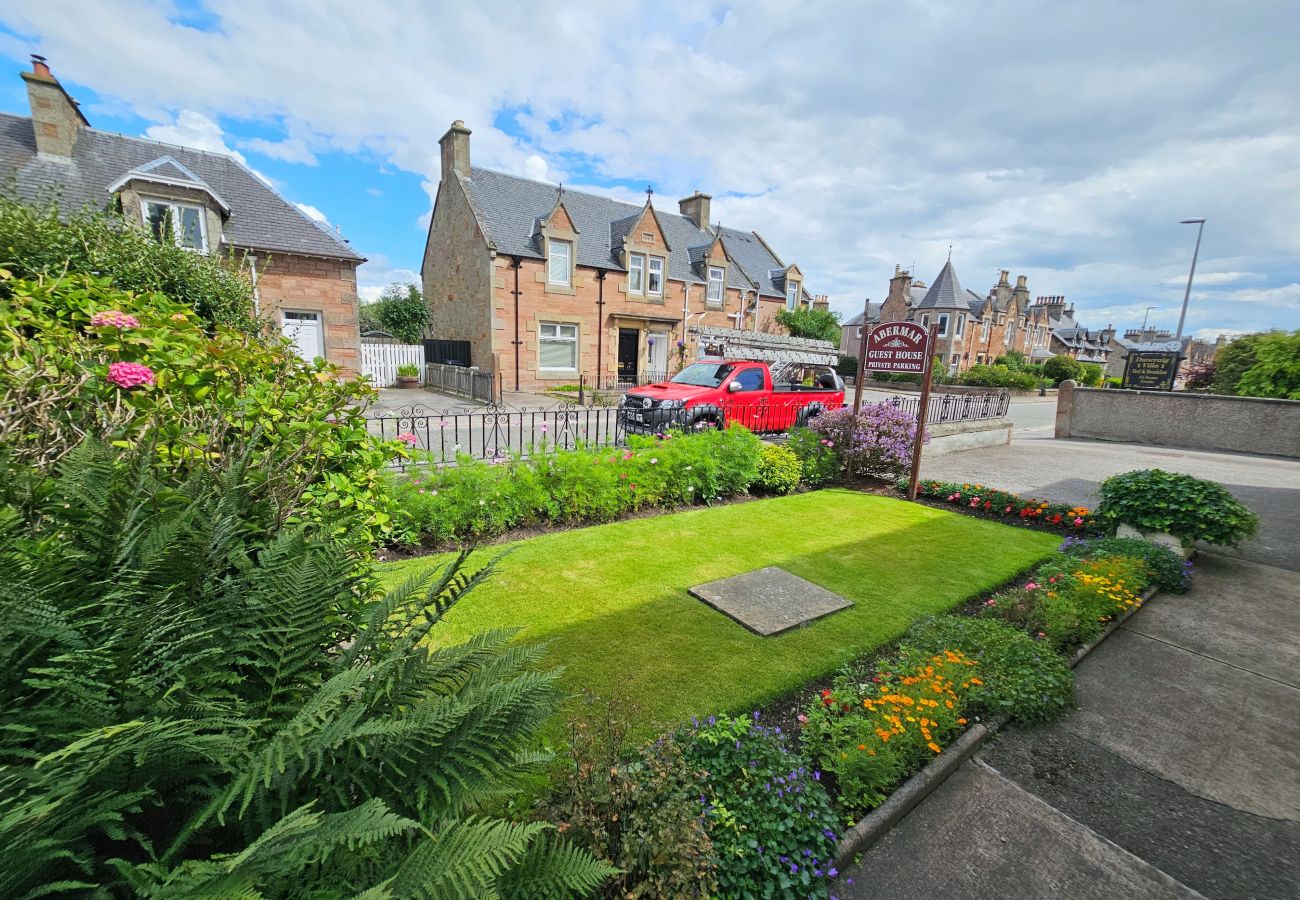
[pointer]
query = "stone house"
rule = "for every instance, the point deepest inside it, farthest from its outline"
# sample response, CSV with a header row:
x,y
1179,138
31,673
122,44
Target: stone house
x,y
305,275
545,284
851,331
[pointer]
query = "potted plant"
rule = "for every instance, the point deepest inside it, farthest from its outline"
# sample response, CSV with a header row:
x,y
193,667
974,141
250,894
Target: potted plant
x,y
1175,510
408,376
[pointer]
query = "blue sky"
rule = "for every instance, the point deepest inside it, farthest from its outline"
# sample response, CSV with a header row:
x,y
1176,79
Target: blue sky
x,y
1060,143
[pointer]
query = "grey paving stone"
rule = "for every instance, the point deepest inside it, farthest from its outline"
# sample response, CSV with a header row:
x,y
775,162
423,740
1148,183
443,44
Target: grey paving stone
x,y
769,601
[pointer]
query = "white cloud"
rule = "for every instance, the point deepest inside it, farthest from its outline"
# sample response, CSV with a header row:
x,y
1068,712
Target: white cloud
x,y
194,129
1065,144
378,273
313,213
374,192
292,150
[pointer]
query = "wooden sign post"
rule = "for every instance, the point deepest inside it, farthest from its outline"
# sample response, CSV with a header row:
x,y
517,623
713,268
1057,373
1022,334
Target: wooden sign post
x,y
901,347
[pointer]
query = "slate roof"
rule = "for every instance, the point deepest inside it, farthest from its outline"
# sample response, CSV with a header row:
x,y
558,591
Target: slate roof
x,y
509,206
872,315
946,292
260,219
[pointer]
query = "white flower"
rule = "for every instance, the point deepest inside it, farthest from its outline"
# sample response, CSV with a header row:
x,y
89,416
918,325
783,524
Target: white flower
x,y
654,461
482,503
433,493
688,468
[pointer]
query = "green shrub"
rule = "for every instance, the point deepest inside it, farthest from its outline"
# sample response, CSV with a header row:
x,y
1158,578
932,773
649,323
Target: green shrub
x,y
197,396
36,243
767,813
1020,677
1264,364
1189,508
201,704
847,367
778,470
998,376
637,811
818,462
1165,569
810,322
1091,375
401,311
1061,367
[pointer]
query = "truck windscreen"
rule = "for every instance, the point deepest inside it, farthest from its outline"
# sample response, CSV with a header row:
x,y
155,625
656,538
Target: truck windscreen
x,y
703,374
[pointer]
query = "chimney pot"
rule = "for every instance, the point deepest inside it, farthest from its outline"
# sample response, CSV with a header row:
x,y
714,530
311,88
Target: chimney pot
x,y
40,67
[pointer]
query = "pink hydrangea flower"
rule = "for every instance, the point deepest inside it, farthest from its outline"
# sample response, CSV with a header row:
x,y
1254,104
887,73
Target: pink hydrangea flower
x,y
114,318
408,439
127,375
1032,586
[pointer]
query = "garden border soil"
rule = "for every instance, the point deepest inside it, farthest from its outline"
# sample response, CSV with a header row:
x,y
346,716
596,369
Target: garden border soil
x,y
908,795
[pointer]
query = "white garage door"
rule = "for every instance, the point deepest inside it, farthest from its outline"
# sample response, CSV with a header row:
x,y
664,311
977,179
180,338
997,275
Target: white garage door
x,y
304,330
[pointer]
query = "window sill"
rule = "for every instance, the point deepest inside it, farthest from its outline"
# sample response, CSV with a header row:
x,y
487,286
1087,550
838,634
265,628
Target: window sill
x,y
558,374
559,288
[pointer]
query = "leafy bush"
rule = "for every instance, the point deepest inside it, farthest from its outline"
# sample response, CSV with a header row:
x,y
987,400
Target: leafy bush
x,y
847,367
1062,367
1013,360
408,370
200,704
779,470
1200,377
1189,508
818,462
1264,364
400,311
982,500
877,441
998,376
82,358
1091,375
873,735
810,322
639,812
476,499
35,243
1165,569
1019,676
767,813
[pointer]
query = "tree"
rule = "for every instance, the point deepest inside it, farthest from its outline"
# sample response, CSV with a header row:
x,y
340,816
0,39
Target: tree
x,y
1091,375
1264,364
1012,359
1062,367
401,311
809,322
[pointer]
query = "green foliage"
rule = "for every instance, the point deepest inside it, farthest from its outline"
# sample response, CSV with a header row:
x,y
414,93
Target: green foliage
x,y
810,322
979,499
202,704
819,463
847,367
779,470
1061,367
1276,368
476,499
998,376
1020,677
400,311
1189,508
767,813
1165,569
1013,360
36,243
408,370
637,811
217,393
1091,375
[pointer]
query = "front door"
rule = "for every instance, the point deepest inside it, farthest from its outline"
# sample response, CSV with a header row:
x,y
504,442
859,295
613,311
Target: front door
x,y
304,330
628,339
657,356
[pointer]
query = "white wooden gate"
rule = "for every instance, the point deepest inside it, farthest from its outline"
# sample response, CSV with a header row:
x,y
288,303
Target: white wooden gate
x,y
380,361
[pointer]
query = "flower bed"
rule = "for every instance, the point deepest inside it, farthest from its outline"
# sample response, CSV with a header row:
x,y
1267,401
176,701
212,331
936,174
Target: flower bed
x,y
987,501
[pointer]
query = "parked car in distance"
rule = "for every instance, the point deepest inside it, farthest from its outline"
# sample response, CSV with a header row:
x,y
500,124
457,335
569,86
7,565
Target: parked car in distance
x,y
714,393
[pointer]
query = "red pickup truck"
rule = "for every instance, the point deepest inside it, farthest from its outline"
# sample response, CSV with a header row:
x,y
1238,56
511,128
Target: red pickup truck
x,y
713,393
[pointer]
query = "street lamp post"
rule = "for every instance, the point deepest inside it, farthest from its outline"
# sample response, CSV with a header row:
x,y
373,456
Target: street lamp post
x,y
1142,335
1200,226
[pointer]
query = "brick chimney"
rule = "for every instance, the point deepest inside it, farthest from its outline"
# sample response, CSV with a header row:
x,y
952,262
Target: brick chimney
x,y
56,118
821,301
455,149
696,207
1021,294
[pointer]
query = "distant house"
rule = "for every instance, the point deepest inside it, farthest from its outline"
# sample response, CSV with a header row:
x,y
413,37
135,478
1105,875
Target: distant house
x,y
305,275
545,283
851,331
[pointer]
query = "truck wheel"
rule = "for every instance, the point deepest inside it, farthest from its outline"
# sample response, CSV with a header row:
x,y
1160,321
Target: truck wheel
x,y
706,418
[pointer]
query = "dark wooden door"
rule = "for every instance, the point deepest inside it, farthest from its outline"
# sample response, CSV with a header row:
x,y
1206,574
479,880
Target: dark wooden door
x,y
628,344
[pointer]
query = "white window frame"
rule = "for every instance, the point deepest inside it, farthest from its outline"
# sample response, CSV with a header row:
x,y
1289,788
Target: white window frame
x,y
717,278
636,273
925,321
792,295
175,207
558,336
1009,335
961,325
984,329
552,258
943,324
655,269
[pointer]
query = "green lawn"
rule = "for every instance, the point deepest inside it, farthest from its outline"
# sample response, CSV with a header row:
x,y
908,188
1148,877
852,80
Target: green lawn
x,y
612,599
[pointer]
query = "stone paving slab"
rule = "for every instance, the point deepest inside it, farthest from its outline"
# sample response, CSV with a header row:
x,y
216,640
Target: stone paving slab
x,y
770,600
982,836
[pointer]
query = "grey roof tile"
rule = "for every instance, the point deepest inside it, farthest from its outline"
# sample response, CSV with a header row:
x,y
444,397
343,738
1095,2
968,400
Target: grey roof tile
x,y
946,292
259,219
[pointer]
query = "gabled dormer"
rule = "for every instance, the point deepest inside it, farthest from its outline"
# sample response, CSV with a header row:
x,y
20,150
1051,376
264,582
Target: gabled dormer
x,y
173,203
557,236
642,247
712,264
790,281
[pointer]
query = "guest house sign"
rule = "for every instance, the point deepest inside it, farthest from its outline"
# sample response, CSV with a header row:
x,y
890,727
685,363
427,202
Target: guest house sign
x,y
897,347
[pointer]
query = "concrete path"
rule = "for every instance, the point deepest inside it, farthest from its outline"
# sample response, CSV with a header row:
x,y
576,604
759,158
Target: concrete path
x,y
1071,471
1178,775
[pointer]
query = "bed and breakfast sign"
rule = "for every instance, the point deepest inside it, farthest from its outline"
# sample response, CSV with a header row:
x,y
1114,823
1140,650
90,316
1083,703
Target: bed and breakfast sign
x,y
897,347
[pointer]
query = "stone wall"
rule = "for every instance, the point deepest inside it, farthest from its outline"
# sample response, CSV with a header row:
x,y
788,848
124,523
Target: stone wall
x,y
1176,419
457,275
314,284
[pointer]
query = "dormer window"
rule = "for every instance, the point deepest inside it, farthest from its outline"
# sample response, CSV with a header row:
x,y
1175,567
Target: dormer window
x,y
791,294
715,284
636,273
656,283
181,223
559,262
